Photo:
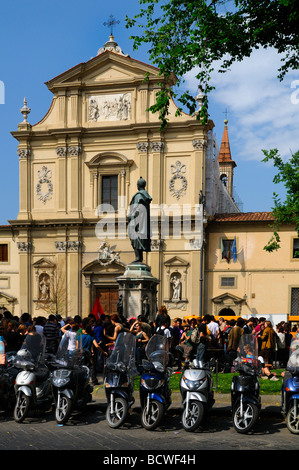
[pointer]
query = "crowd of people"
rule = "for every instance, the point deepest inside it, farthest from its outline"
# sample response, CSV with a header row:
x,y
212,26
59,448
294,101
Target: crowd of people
x,y
99,336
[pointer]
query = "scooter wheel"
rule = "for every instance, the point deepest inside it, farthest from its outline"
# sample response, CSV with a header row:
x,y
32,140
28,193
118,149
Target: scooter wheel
x,y
292,420
119,415
192,416
245,422
21,408
152,415
63,412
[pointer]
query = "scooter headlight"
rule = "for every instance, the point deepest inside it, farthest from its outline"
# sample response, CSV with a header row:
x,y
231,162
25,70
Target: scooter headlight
x,y
61,377
194,384
152,384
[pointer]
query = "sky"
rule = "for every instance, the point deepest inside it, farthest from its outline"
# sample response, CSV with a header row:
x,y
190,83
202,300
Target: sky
x,y
40,40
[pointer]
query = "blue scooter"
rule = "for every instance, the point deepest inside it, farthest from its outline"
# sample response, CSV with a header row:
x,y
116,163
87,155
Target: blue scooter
x,y
290,389
155,394
119,372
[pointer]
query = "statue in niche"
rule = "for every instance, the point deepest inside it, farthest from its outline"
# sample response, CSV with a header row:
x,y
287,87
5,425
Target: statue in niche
x,y
44,287
120,307
176,288
146,308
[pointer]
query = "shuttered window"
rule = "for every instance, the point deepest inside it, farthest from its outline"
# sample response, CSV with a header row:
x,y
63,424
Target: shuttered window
x,y
110,190
3,253
295,301
296,248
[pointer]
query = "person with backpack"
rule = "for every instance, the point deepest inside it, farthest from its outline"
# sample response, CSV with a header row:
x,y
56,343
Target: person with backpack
x,y
226,332
164,330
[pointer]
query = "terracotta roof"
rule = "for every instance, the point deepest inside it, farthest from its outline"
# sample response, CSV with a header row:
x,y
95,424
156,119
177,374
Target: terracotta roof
x,y
224,152
244,217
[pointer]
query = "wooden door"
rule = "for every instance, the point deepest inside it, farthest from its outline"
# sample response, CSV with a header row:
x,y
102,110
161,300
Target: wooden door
x,y
108,298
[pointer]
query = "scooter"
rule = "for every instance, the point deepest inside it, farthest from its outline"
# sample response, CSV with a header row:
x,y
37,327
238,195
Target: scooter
x,y
290,389
8,373
155,394
119,372
245,388
196,387
33,384
70,380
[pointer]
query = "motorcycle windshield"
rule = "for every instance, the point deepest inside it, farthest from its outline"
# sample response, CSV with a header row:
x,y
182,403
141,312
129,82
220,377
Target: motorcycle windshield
x,y
66,356
123,354
157,350
247,359
32,350
293,362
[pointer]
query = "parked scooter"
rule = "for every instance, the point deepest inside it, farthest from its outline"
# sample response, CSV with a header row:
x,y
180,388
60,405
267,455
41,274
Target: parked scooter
x,y
290,389
155,394
33,384
196,387
70,380
119,372
245,388
8,373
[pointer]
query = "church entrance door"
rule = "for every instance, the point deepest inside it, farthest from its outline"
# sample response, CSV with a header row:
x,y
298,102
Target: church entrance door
x,y
108,298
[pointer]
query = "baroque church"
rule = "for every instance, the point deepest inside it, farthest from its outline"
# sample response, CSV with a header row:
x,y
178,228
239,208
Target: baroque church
x,y
78,170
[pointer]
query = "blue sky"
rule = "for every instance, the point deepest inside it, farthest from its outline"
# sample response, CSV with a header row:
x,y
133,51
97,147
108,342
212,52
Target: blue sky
x,y
40,40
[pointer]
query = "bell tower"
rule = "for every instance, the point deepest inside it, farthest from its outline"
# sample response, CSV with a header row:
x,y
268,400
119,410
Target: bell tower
x,y
226,164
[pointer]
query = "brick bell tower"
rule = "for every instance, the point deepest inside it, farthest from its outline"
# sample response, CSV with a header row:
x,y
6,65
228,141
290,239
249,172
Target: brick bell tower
x,y
226,164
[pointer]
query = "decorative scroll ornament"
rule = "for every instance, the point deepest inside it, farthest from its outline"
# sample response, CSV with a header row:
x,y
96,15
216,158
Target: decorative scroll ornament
x,y
142,146
24,247
45,177
177,170
107,255
24,153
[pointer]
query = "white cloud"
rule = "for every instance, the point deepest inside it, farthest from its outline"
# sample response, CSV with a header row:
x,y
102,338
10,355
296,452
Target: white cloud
x,y
261,112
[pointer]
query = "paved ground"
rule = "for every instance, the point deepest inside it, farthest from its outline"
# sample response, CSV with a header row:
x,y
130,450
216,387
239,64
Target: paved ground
x,y
89,431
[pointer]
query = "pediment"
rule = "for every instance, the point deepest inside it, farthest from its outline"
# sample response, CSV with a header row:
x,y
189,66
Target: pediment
x,y
95,267
227,297
109,73
109,159
43,263
7,297
176,262
107,67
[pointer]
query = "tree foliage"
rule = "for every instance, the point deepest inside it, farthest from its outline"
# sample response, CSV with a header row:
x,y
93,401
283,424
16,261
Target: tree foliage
x,y
286,212
192,35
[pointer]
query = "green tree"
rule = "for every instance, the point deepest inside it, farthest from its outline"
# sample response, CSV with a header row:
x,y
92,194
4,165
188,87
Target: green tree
x,y
192,35
286,212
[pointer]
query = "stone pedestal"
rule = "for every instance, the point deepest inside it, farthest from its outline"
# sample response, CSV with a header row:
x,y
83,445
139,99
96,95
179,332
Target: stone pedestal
x,y
138,288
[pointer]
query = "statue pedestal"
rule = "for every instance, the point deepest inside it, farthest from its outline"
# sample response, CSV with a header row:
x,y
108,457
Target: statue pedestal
x,y
138,288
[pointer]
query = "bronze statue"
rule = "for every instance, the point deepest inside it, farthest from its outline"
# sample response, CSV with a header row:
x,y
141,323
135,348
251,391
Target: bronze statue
x,y
139,229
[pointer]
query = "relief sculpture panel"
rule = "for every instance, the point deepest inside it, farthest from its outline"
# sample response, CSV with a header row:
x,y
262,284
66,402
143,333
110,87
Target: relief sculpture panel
x,y
116,107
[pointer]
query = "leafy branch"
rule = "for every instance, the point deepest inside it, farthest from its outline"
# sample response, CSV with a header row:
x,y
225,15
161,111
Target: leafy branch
x,y
185,36
286,212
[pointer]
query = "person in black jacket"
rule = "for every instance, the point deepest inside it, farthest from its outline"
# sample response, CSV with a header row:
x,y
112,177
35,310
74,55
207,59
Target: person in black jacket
x,y
161,317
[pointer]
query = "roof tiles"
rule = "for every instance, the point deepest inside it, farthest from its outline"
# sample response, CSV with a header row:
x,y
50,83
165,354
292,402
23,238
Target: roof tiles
x,y
244,217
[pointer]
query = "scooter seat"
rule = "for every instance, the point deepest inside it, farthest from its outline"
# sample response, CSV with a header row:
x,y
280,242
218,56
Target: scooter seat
x,y
42,375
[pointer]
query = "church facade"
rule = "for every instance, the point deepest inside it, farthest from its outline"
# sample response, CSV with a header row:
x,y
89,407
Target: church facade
x,y
78,170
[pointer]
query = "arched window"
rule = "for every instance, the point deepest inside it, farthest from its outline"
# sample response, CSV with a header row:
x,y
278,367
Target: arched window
x,y
223,179
226,312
